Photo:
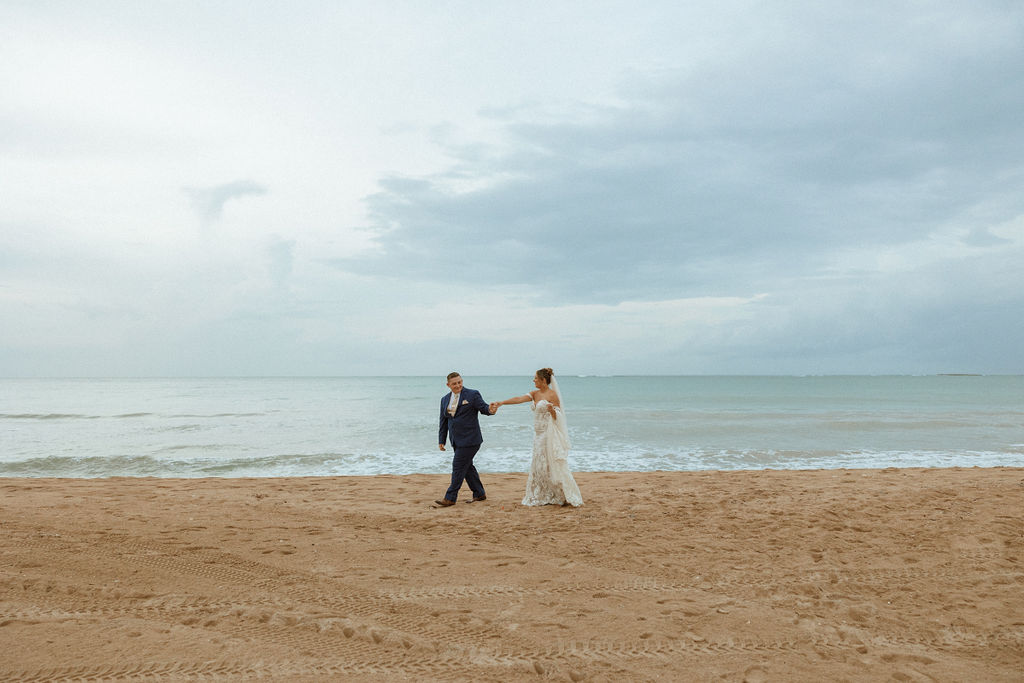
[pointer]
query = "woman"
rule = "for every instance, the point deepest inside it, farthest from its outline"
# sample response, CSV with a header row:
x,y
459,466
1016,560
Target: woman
x,y
550,482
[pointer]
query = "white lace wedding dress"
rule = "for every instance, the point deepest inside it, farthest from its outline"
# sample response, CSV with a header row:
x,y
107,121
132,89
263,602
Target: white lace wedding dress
x,y
550,482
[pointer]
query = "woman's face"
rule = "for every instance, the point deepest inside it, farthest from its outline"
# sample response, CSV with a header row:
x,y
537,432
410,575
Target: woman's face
x,y
539,382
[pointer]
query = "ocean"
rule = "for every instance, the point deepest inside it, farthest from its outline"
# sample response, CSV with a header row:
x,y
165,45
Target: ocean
x,y
272,427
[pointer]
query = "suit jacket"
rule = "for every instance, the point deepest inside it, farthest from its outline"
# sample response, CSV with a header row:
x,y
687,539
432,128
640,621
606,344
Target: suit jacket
x,y
464,428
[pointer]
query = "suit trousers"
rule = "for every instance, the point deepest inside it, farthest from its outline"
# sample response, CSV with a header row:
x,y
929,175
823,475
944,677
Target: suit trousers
x,y
463,470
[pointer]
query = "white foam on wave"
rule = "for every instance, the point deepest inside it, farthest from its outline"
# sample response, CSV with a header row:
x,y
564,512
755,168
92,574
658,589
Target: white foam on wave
x,y
210,464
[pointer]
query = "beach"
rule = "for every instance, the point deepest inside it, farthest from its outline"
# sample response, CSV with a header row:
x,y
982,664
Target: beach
x,y
861,575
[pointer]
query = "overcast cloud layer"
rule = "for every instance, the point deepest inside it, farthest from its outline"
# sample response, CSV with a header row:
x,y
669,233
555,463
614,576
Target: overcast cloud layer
x,y
740,187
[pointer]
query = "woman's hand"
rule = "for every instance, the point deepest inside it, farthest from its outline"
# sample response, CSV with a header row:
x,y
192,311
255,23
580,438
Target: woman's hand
x,y
551,409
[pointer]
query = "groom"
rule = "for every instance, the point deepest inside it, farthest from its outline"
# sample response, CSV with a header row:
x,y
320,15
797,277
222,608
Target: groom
x,y
460,420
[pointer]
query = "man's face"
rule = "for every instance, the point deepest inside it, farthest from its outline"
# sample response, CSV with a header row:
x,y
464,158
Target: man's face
x,y
455,384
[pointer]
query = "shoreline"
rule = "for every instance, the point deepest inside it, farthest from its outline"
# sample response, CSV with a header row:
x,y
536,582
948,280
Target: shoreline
x,y
497,473
902,573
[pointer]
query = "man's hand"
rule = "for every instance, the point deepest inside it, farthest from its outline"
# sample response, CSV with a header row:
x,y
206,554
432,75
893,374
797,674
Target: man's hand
x,y
441,446
494,407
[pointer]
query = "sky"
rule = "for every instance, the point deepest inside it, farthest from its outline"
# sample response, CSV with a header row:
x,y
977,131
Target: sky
x,y
408,188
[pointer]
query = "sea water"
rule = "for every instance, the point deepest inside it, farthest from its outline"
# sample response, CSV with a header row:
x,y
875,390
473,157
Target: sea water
x,y
388,425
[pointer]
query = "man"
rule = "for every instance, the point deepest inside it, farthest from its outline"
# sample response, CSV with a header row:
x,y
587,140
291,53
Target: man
x,y
460,421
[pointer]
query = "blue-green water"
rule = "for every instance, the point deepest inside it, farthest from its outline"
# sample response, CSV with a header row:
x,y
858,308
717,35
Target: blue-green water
x,y
332,426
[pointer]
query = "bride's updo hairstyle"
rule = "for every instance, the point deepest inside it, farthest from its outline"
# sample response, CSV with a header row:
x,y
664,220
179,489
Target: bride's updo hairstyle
x,y
546,374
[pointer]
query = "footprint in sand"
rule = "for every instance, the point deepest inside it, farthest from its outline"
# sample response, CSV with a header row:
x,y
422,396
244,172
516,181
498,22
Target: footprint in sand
x,y
755,674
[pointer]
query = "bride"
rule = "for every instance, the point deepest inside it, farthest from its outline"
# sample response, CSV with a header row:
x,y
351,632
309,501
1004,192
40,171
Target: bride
x,y
550,482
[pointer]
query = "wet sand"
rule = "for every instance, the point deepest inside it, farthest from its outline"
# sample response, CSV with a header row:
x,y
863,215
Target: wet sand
x,y
860,575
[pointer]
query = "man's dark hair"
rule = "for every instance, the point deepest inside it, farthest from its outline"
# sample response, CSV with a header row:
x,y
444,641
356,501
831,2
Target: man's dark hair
x,y
453,374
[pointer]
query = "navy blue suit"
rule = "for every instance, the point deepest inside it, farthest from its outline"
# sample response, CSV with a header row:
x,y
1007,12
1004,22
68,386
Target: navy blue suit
x,y
464,431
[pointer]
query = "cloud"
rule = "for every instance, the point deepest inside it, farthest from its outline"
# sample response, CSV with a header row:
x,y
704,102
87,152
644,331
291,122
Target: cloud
x,y
729,177
208,202
982,237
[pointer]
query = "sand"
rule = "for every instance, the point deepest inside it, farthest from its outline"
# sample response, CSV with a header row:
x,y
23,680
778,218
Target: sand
x,y
860,575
